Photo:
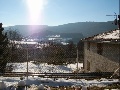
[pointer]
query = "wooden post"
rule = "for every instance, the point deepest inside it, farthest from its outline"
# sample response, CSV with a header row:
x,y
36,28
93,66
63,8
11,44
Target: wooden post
x,y
27,63
77,60
119,37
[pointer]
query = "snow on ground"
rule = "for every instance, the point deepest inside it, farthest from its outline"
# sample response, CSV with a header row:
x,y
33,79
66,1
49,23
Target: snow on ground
x,y
44,67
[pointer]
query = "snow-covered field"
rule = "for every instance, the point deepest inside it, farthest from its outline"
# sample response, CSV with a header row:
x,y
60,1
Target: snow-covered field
x,y
44,67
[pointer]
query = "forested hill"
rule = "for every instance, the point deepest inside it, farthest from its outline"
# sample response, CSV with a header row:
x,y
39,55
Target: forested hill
x,y
85,28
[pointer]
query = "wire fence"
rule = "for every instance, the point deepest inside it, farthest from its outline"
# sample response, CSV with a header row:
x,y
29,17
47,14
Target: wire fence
x,y
48,57
82,62
38,54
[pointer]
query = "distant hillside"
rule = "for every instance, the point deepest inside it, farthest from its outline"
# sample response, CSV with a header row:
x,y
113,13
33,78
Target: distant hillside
x,y
28,29
70,29
86,28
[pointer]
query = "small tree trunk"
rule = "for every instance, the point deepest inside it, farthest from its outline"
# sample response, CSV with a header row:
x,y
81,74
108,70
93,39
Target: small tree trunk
x,y
2,66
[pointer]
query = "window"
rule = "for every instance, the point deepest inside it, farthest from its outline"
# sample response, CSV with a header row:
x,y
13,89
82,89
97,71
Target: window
x,y
99,48
88,65
88,45
98,70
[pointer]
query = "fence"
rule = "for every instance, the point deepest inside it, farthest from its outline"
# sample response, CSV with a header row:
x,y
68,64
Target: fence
x,y
40,54
95,56
87,60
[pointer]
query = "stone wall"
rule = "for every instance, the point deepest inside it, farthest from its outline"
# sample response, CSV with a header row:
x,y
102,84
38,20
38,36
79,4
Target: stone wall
x,y
107,62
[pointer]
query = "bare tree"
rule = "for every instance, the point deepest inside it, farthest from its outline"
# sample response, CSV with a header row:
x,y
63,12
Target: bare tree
x,y
14,34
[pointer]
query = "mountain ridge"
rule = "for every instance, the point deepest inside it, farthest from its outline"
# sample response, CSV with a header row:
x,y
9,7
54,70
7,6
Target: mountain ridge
x,y
85,29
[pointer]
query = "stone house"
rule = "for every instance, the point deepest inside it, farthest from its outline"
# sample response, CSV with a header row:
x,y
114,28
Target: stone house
x,y
102,52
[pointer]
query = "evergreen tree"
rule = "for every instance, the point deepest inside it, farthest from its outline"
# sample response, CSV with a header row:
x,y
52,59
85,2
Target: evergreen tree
x,y
3,49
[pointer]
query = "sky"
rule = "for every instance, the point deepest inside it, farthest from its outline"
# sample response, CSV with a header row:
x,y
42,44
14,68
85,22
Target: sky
x,y
56,12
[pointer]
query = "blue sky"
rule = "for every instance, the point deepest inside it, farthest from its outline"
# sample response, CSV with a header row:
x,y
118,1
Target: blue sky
x,y
56,12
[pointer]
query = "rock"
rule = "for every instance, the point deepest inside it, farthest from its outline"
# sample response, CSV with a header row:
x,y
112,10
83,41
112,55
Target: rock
x,y
3,86
40,87
48,88
21,83
84,88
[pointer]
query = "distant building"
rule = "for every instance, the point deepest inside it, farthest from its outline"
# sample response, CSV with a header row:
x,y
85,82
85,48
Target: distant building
x,y
102,52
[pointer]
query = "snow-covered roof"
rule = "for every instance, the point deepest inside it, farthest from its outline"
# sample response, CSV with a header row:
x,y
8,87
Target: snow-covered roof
x,y
108,35
113,35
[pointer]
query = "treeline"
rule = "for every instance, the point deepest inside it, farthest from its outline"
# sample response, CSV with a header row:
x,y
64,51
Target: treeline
x,y
51,53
